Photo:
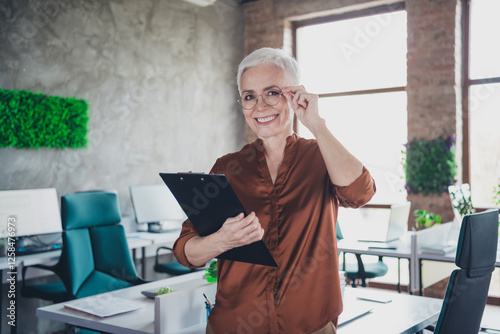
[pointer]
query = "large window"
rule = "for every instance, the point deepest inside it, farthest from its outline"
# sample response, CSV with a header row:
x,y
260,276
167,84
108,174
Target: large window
x,y
482,100
357,65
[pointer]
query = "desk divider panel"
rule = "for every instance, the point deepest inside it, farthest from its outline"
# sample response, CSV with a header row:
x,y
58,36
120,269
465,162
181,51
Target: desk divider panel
x,y
178,310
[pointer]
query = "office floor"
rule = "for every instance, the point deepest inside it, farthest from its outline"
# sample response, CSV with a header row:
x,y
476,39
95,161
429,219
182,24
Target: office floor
x,y
28,323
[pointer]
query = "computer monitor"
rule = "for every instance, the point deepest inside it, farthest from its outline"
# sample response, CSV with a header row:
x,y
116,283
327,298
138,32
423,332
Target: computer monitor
x,y
34,211
156,206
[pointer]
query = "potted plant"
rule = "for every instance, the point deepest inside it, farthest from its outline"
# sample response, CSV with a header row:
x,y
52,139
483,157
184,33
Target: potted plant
x,y
425,219
496,200
461,201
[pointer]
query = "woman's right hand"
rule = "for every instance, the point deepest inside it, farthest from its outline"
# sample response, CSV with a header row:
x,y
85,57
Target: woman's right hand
x,y
236,231
239,231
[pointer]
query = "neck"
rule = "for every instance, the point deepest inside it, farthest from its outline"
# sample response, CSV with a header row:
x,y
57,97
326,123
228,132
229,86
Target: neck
x,y
274,147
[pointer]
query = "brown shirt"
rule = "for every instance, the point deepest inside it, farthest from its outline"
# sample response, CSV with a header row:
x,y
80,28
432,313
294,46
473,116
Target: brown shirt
x,y
298,214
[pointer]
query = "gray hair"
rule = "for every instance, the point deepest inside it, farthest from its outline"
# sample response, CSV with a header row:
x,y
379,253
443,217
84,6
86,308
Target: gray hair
x,y
278,57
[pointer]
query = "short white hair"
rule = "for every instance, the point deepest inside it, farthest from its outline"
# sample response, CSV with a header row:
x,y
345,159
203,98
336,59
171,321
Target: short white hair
x,y
278,57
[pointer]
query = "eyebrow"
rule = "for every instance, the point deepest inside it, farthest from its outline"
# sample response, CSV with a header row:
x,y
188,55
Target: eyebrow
x,y
266,88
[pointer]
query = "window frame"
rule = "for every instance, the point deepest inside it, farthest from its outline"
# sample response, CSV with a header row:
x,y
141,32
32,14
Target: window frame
x,y
467,84
398,6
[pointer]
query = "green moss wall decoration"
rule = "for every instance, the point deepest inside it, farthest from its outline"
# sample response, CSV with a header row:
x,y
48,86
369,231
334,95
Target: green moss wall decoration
x,y
34,120
430,165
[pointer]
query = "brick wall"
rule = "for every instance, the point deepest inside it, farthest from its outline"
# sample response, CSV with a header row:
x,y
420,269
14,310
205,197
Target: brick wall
x,y
434,82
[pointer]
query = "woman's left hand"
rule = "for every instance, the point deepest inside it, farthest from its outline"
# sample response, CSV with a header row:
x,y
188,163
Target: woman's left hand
x,y
304,104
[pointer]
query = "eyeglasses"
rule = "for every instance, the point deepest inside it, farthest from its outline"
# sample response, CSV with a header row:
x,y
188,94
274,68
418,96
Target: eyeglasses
x,y
271,97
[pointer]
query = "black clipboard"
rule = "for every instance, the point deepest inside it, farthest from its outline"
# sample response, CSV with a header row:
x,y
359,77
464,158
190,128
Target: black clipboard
x,y
208,200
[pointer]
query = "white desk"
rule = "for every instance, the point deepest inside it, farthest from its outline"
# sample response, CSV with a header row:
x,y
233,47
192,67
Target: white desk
x,y
136,322
402,250
404,314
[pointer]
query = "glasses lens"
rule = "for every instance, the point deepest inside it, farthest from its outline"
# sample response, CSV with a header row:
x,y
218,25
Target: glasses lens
x,y
272,97
247,102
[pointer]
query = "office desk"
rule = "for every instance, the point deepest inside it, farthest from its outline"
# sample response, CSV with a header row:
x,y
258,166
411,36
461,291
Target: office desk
x,y
404,314
402,250
144,239
449,257
135,322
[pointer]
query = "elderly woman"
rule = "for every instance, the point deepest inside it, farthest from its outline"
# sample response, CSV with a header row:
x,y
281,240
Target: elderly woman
x,y
292,188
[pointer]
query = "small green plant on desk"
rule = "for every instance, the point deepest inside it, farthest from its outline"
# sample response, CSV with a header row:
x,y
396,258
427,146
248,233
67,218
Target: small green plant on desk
x,y
163,290
211,272
425,219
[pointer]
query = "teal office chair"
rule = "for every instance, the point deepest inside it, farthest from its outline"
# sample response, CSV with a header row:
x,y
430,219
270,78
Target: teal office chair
x,y
467,290
95,256
359,270
173,268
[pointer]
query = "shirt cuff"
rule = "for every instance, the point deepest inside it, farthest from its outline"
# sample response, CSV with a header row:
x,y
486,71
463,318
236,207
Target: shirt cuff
x,y
359,192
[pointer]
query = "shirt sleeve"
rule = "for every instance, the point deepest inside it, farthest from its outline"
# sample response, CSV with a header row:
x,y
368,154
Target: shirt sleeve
x,y
187,233
357,193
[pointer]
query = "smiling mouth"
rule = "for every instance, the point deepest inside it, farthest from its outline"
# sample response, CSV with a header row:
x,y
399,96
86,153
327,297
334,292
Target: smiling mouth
x,y
266,119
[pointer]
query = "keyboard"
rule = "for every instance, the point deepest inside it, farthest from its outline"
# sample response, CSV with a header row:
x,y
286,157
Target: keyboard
x,y
32,249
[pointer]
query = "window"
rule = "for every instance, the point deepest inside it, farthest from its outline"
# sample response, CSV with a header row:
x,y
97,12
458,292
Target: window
x,y
357,64
482,92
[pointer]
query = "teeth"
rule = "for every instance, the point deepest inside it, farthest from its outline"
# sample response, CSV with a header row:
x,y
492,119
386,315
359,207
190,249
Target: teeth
x,y
266,119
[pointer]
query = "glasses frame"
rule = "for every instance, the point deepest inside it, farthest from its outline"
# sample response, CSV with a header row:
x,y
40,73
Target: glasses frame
x,y
263,99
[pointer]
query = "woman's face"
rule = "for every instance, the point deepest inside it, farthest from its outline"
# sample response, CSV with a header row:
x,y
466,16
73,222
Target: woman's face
x,y
265,120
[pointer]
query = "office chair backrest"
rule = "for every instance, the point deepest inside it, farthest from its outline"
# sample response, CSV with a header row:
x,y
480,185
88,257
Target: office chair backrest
x,y
88,209
338,231
467,290
95,249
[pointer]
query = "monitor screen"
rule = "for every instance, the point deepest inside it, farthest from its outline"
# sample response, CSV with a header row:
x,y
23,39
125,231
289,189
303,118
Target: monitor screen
x,y
156,204
34,211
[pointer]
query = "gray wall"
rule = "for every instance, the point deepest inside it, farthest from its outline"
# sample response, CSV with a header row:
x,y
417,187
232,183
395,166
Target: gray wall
x,y
159,78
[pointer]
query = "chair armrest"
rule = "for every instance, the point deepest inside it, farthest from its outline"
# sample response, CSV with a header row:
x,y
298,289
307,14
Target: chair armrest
x,y
158,252
52,268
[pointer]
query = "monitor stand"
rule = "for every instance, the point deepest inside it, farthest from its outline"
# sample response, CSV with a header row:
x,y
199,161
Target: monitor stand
x,y
158,227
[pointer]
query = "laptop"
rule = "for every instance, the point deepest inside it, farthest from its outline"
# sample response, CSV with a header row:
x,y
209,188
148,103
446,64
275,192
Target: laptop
x,y
398,224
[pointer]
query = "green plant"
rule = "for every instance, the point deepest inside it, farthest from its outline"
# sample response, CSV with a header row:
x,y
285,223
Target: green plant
x,y
430,165
496,200
29,120
163,290
496,195
461,199
426,219
211,272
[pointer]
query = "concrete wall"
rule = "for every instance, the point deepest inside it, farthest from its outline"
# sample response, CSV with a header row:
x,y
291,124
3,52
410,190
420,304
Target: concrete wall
x,y
159,76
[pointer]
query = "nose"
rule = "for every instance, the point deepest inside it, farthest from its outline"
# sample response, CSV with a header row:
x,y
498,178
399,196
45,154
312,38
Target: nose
x,y
260,104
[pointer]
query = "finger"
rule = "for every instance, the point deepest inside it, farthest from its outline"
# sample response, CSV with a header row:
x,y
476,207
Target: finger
x,y
254,236
254,225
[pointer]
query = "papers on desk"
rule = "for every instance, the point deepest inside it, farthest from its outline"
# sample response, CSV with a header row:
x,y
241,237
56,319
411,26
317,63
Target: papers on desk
x,y
375,296
353,310
103,305
437,249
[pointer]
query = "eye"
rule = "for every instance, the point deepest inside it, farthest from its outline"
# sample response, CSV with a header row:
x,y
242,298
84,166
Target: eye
x,y
273,93
249,97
